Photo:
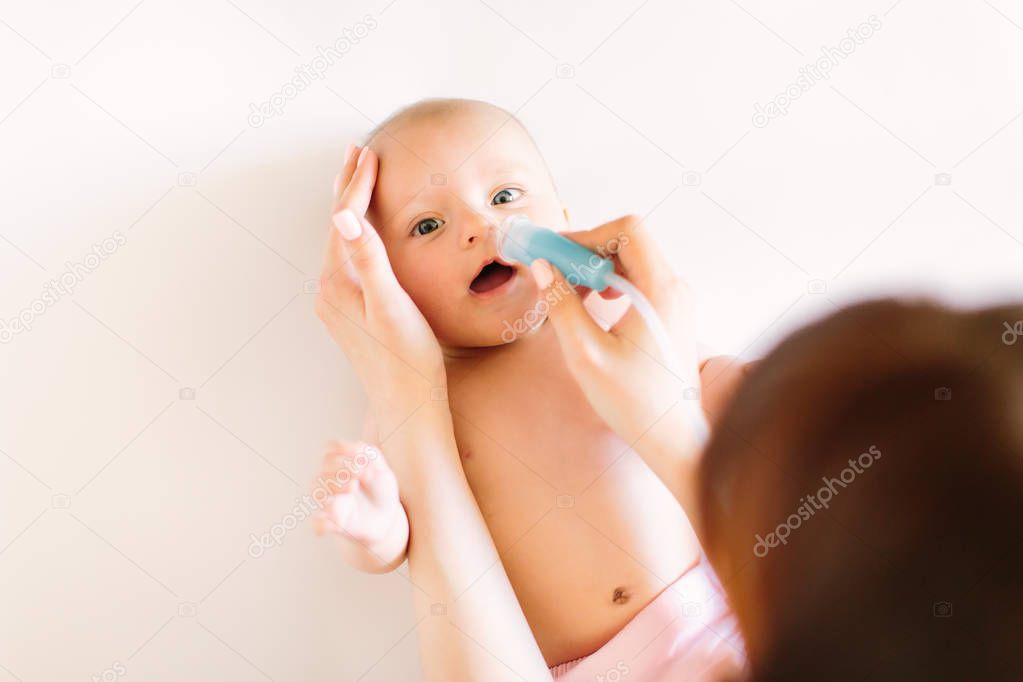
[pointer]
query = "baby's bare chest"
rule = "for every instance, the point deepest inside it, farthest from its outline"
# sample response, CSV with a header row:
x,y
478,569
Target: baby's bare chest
x,y
521,439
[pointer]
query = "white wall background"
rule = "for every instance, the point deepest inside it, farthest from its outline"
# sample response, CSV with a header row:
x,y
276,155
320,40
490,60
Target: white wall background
x,y
126,510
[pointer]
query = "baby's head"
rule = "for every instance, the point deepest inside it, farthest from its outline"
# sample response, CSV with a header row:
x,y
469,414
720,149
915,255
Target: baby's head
x,y
450,171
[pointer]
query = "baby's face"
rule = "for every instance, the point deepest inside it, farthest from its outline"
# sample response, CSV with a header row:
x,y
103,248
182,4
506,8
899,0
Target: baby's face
x,y
444,183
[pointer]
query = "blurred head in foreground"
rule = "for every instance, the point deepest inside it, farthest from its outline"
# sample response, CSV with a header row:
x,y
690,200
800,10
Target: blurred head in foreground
x,y
862,498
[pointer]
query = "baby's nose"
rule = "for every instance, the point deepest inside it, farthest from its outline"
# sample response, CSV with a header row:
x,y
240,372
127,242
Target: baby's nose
x,y
476,231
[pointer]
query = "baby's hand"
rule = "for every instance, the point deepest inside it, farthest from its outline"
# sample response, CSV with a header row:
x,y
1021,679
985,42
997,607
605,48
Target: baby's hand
x,y
364,504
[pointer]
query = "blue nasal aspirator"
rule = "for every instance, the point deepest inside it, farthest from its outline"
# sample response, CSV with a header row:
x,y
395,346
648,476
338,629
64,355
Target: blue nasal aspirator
x,y
519,240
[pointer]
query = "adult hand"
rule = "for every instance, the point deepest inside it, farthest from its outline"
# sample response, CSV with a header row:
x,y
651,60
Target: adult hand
x,y
369,315
400,364
647,399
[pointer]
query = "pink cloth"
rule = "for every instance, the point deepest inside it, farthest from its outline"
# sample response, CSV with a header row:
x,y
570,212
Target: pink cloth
x,y
686,633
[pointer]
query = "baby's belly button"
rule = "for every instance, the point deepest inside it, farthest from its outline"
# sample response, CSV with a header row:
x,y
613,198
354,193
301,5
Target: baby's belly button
x,y
578,586
569,624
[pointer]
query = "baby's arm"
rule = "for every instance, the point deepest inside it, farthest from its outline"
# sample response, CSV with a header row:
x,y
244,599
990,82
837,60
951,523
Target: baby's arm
x,y
363,509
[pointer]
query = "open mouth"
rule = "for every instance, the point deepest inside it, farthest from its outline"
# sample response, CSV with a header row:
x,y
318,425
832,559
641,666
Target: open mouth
x,y
491,276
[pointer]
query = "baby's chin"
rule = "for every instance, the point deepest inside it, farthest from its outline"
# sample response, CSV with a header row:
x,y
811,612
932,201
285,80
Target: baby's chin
x,y
488,328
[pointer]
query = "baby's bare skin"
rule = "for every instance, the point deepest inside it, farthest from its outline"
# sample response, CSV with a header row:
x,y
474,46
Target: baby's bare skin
x,y
587,533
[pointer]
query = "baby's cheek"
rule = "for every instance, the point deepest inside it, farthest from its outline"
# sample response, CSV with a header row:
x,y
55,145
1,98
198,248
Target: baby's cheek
x,y
428,288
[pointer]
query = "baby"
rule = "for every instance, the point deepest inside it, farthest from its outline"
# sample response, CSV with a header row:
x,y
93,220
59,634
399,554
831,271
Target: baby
x,y
602,559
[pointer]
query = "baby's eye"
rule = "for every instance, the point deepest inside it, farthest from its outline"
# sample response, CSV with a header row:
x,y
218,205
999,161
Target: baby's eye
x,y
426,226
506,196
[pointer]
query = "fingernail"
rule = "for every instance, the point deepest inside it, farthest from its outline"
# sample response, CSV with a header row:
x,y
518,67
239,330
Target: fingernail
x,y
337,184
348,151
362,155
542,273
347,224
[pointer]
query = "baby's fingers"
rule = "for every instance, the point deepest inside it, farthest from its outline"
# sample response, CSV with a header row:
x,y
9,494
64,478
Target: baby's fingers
x,y
339,511
377,481
323,525
345,462
335,516
336,480
355,453
320,524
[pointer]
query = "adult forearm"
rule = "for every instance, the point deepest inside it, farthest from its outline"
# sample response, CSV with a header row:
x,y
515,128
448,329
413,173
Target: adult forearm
x,y
671,449
471,625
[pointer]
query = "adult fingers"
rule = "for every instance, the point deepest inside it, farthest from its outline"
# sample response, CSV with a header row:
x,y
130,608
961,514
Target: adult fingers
x,y
354,250
340,293
580,337
358,192
343,178
362,245
632,249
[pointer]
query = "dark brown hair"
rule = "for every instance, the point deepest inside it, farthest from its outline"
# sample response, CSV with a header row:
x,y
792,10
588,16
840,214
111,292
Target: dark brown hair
x,y
911,416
